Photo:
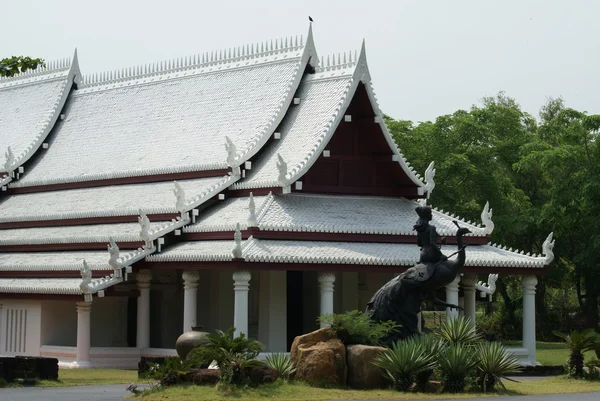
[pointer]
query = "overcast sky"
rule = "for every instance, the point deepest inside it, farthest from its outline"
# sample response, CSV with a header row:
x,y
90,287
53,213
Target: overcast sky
x,y
427,57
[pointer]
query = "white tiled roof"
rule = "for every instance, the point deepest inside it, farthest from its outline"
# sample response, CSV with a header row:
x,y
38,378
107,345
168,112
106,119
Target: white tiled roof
x,y
29,107
62,286
225,215
304,127
325,213
382,254
115,200
71,260
172,120
74,234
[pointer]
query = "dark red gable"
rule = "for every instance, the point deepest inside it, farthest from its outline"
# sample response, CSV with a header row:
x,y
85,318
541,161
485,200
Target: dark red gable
x,y
360,160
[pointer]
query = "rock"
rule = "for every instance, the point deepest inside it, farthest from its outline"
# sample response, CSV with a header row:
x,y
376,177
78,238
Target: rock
x,y
260,375
312,338
362,373
203,377
322,364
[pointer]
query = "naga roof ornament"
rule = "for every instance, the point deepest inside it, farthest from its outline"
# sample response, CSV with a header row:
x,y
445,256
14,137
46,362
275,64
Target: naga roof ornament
x,y
237,237
252,222
548,247
486,219
429,182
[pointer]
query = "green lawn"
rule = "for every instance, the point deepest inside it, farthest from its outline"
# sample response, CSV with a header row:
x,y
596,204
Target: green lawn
x,y
296,392
88,377
550,354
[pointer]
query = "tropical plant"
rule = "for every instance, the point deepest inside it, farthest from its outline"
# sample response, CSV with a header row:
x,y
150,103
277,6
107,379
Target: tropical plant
x,y
232,354
356,327
455,364
402,362
591,370
458,331
433,347
282,363
169,372
579,343
495,363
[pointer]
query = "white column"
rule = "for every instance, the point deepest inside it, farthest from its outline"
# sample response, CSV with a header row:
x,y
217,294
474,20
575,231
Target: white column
x,y
83,334
1,329
452,298
190,299
326,281
529,283
143,278
468,284
241,286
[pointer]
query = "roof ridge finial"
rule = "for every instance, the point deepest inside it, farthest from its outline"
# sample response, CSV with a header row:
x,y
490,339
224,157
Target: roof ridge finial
x,y
486,219
237,237
429,182
252,222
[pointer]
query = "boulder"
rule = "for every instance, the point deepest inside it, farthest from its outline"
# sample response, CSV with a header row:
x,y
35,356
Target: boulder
x,y
203,377
311,338
261,375
322,364
362,373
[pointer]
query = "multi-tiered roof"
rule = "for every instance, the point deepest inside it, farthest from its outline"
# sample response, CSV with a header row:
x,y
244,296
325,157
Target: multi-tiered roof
x,y
163,163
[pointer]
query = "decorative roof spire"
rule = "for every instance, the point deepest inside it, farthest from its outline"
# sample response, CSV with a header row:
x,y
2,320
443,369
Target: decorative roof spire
x,y
113,251
252,209
282,167
179,197
231,151
10,160
86,278
547,249
486,219
145,229
490,287
237,237
429,175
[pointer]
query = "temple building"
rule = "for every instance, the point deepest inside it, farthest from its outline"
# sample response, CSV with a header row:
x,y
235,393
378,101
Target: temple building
x,y
256,187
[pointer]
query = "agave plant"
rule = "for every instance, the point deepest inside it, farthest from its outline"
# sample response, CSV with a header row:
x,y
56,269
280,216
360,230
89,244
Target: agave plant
x,y
579,343
495,363
456,364
402,362
282,363
458,331
433,347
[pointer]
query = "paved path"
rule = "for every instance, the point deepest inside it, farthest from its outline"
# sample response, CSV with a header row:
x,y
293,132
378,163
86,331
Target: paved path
x,y
117,392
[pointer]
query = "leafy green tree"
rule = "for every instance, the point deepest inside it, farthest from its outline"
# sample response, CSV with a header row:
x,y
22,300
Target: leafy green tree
x,y
17,64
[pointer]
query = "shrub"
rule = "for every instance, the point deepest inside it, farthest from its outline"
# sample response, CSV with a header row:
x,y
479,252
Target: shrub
x,y
579,343
495,363
168,373
433,347
456,363
402,362
356,327
458,331
590,371
232,354
282,363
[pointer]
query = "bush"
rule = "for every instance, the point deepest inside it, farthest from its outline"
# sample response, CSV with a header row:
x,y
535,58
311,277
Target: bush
x,y
495,363
170,372
403,361
433,347
356,327
282,363
591,370
579,343
456,363
458,331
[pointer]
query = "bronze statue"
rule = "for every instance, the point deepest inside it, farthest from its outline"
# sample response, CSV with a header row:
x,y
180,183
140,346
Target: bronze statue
x,y
400,298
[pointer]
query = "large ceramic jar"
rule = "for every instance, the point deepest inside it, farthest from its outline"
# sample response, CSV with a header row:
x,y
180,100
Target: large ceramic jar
x,y
190,340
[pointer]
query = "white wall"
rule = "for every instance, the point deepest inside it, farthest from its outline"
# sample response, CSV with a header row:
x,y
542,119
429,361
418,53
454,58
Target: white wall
x,y
21,327
59,323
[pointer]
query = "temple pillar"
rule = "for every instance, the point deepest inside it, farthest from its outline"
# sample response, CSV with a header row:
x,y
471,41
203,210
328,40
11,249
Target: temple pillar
x,y
241,286
143,278
190,299
468,282
452,298
529,283
83,335
326,281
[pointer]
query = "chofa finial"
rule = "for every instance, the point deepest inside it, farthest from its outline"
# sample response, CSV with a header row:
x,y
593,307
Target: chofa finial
x,y
113,251
252,222
179,197
231,151
486,219
10,160
282,167
429,182
86,277
548,249
237,237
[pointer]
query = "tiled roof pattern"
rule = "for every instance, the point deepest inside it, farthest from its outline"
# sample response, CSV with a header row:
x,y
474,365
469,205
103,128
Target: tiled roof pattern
x,y
115,200
178,124
225,215
63,286
383,254
74,234
16,261
303,128
27,106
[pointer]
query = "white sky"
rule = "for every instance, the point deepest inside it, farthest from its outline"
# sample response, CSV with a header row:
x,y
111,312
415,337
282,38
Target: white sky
x,y
427,57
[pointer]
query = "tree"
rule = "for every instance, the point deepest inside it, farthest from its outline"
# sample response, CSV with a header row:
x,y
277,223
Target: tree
x,y
17,64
